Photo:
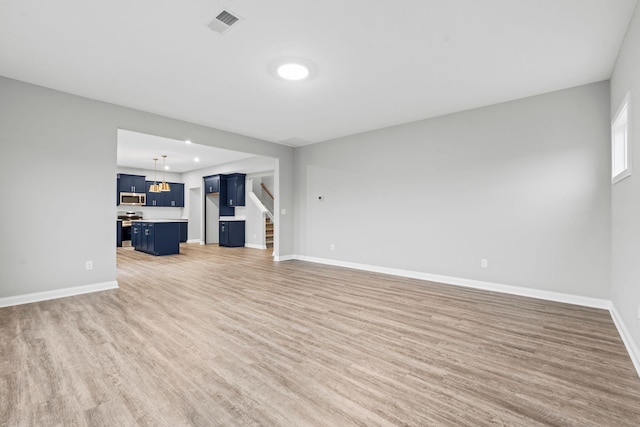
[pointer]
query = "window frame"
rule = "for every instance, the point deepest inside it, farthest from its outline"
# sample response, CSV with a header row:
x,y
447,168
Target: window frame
x,y
622,113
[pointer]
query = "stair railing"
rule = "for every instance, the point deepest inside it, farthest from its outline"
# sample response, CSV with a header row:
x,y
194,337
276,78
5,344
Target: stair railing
x,y
255,199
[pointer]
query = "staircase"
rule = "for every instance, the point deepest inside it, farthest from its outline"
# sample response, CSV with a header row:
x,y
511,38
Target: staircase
x,y
268,232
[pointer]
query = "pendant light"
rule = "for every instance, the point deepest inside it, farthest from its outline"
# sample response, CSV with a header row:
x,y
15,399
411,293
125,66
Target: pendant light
x,y
164,185
154,188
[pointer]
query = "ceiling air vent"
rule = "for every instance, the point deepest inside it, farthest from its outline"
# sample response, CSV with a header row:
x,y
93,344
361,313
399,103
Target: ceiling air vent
x,y
223,21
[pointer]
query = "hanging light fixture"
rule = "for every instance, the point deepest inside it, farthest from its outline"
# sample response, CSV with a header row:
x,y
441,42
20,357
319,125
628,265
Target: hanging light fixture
x,y
154,188
164,185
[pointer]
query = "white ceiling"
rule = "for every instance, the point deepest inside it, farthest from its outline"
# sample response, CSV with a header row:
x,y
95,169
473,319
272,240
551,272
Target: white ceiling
x,y
137,150
377,63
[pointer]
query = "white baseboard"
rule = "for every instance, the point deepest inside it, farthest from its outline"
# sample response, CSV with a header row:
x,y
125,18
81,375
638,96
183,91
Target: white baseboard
x,y
252,246
57,293
469,283
284,258
627,339
194,241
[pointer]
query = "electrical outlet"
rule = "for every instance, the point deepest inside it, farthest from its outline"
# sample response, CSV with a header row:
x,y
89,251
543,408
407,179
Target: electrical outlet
x,y
88,265
332,247
283,211
484,263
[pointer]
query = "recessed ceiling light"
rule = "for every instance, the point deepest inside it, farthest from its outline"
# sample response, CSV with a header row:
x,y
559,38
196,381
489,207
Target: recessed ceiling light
x,y
196,159
166,168
187,141
291,68
293,71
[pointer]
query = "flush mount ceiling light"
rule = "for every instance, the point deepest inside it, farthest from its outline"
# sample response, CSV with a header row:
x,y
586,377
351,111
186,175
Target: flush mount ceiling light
x,y
293,71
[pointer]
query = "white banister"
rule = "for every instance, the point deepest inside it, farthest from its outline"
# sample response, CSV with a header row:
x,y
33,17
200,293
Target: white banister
x,y
260,206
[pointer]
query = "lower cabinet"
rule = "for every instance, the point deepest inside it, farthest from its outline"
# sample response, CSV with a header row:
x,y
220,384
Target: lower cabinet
x,y
119,234
136,232
156,238
231,234
183,231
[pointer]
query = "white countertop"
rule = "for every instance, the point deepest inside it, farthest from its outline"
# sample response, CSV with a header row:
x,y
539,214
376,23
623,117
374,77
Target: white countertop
x,y
233,218
160,220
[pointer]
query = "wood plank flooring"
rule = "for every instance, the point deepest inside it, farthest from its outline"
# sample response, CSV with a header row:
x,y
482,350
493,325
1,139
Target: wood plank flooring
x,y
224,336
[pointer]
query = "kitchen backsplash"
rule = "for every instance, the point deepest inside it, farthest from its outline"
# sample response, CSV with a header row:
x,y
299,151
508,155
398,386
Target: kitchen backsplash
x,y
150,212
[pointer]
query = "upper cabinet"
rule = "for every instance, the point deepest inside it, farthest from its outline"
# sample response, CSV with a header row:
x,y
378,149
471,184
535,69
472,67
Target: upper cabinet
x,y
173,198
225,209
212,184
131,183
235,189
230,189
153,199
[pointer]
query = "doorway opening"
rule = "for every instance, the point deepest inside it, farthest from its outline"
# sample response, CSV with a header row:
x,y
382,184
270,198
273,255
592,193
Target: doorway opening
x,y
187,164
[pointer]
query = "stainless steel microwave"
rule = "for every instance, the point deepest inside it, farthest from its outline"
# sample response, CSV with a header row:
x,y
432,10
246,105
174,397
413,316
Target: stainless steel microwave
x,y
133,199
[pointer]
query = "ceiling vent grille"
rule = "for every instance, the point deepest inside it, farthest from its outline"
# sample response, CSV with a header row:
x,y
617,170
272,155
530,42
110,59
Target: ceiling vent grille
x,y
223,21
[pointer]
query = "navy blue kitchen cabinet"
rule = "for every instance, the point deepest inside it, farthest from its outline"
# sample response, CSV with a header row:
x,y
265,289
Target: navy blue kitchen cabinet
x,y
136,233
183,231
153,199
231,234
225,209
142,239
131,183
119,233
173,198
150,237
235,189
212,184
157,238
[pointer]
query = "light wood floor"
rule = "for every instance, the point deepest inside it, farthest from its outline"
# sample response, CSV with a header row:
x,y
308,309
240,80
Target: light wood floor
x,y
219,336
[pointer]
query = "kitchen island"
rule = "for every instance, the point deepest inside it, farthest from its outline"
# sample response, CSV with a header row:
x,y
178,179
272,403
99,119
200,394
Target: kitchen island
x,y
157,236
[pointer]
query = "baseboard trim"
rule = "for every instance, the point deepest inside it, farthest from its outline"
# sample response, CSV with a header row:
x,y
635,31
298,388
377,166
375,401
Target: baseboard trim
x,y
627,339
469,283
194,241
252,246
57,293
284,258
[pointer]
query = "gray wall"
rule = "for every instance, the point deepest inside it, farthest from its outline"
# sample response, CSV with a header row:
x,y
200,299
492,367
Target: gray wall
x,y
58,158
625,200
524,184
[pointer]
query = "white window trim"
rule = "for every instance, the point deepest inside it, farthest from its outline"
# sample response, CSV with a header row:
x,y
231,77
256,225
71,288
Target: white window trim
x,y
624,106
